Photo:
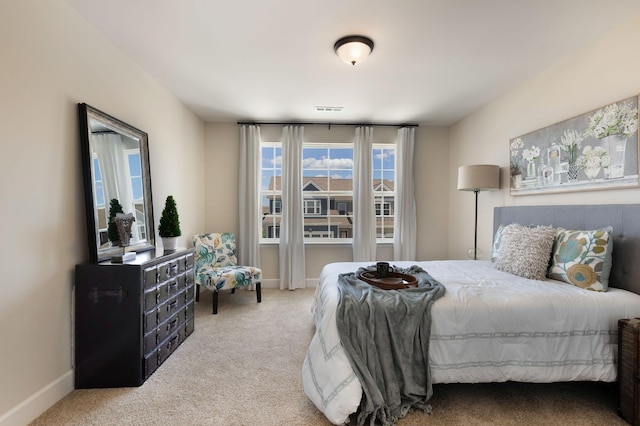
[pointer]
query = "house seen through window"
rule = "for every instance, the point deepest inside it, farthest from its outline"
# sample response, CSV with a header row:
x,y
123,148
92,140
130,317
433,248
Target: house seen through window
x,y
327,185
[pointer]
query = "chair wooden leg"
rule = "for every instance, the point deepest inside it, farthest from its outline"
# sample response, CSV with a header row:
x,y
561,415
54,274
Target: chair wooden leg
x,y
197,292
258,292
215,302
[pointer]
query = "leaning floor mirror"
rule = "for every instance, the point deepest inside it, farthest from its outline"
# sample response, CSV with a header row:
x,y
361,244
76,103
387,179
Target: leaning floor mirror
x,y
115,166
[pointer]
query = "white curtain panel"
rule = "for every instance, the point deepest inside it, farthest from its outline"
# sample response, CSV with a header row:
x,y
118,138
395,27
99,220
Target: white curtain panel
x,y
249,204
292,267
364,220
404,240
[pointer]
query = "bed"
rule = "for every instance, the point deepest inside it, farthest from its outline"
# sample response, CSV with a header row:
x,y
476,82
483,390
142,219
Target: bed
x,y
493,326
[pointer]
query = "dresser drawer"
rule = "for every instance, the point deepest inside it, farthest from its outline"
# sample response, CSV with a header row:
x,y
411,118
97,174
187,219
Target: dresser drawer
x,y
150,298
189,259
150,341
174,267
189,326
170,344
163,292
150,363
170,307
168,327
164,329
181,280
151,319
164,271
173,287
189,293
187,312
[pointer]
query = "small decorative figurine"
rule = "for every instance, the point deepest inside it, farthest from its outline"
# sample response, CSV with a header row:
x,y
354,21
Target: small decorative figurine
x,y
123,223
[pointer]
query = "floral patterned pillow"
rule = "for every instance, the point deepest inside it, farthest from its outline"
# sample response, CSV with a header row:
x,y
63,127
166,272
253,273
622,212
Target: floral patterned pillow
x,y
583,258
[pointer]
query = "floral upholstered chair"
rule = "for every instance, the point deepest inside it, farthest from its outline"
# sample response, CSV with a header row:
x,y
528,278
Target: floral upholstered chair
x,y
216,266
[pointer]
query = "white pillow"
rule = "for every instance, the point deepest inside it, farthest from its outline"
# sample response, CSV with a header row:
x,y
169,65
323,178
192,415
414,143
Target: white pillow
x,y
525,251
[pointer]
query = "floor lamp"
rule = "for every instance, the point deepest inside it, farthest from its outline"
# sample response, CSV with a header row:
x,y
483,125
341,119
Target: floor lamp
x,y
476,178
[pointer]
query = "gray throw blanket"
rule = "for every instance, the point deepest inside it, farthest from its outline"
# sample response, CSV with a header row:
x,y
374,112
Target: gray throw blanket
x,y
385,334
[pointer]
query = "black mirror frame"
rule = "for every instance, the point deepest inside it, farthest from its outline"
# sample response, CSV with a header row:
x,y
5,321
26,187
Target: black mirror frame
x,y
96,255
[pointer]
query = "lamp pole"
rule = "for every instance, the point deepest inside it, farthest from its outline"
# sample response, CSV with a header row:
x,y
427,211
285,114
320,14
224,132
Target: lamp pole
x,y
475,230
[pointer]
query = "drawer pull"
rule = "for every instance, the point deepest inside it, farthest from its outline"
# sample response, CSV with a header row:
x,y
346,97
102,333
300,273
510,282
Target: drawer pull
x,y
171,306
172,342
120,294
172,324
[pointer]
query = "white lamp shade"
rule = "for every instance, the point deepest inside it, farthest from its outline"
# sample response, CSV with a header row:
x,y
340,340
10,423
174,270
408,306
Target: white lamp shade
x,y
480,177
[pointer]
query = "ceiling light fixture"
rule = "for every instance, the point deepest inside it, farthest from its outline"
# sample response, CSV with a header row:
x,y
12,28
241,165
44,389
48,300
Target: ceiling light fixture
x,y
353,49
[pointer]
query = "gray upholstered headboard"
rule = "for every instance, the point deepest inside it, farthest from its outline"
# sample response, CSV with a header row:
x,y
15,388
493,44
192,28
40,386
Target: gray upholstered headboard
x,y
625,219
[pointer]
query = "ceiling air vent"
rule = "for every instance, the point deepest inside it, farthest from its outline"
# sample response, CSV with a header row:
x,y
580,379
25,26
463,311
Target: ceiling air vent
x,y
328,109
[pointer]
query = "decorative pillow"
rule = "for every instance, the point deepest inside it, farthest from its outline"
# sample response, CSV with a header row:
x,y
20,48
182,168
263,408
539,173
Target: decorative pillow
x,y
583,258
525,250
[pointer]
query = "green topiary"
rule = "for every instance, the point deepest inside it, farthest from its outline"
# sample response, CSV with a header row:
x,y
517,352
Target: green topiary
x,y
169,221
112,230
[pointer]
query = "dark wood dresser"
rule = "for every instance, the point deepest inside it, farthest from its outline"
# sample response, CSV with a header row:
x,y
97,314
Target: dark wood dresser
x,y
130,317
629,370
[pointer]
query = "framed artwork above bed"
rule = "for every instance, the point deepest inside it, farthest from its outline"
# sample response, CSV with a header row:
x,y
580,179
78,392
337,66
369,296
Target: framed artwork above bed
x,y
593,151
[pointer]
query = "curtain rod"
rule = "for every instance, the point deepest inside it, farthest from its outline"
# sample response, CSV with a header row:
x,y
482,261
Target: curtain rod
x,y
329,124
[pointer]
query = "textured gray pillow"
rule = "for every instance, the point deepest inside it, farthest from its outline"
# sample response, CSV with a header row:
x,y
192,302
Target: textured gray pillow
x,y
525,251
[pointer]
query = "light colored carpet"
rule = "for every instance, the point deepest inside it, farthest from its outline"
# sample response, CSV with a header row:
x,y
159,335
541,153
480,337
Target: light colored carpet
x,y
243,367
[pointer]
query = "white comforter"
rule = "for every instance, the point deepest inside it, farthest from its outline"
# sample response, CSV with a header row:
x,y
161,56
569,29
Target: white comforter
x,y
490,326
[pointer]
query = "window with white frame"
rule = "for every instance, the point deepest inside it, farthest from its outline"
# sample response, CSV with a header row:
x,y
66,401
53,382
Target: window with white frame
x,y
312,207
384,189
327,186
271,190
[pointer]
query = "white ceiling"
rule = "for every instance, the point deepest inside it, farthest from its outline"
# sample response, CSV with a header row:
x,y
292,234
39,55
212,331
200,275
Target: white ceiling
x,y
434,61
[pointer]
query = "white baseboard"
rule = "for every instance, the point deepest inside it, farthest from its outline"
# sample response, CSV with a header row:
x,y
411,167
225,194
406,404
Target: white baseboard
x,y
29,409
275,283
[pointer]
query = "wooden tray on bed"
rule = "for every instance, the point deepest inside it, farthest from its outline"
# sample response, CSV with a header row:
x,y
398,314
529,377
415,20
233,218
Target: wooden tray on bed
x,y
394,280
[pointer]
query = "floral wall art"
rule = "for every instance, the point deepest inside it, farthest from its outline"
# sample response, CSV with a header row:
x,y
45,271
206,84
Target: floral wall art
x,y
596,150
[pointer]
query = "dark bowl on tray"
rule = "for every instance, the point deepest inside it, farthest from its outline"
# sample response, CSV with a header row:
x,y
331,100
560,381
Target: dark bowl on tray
x,y
393,280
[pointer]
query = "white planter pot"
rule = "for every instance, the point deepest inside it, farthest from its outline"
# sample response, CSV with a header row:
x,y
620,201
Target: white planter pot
x,y
170,243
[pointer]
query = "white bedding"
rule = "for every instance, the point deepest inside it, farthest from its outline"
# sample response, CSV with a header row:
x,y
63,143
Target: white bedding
x,y
490,326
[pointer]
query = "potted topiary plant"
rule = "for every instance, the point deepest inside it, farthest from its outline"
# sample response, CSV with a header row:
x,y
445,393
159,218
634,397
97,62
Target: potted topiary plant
x,y
169,229
112,230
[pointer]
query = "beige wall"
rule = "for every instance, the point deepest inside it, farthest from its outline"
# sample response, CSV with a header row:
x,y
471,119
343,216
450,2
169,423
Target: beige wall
x,y
51,60
431,163
606,71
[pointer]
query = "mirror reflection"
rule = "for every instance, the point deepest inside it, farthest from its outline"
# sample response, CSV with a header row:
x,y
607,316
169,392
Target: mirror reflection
x,y
117,180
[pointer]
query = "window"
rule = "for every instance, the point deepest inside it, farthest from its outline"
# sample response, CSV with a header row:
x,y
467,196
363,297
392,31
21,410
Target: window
x,y
327,179
100,202
271,190
135,177
327,186
312,207
384,189
383,209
